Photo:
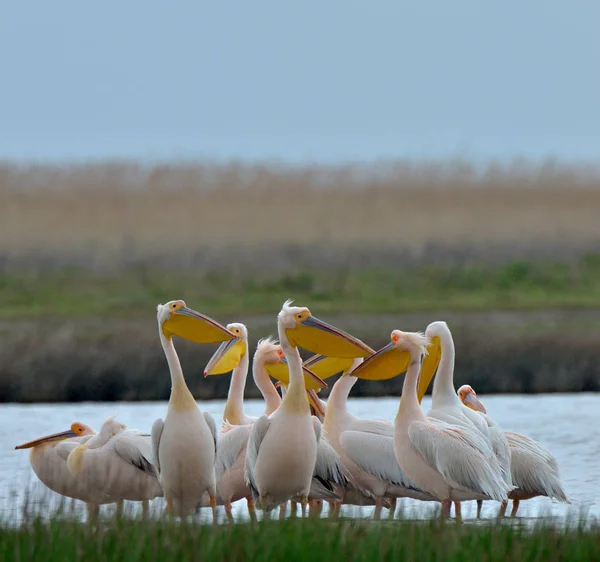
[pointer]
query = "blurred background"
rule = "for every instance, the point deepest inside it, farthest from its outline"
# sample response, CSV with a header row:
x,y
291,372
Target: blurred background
x,y
385,163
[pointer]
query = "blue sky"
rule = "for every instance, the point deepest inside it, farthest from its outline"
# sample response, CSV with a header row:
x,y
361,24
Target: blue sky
x,y
312,80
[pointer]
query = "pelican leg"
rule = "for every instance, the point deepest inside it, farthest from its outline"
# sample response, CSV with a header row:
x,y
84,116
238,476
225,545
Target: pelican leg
x,y
213,506
333,509
503,507
315,508
392,510
479,506
293,508
251,509
119,509
93,510
515,508
228,511
145,509
446,505
458,511
303,504
282,508
378,507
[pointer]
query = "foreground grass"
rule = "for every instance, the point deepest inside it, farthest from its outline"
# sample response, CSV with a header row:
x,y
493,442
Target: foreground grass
x,y
516,285
297,540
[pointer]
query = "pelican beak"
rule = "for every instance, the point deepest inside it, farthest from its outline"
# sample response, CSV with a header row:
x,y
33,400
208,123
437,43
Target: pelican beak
x,y
54,437
281,372
314,401
387,363
473,402
429,366
193,326
326,367
226,358
319,337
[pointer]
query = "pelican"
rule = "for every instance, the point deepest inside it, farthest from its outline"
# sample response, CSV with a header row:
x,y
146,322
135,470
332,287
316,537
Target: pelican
x,y
366,448
231,451
534,469
117,462
231,454
447,407
329,480
48,459
282,449
184,444
450,462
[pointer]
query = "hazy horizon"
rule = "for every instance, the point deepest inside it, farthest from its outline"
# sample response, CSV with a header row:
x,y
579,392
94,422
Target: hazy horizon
x,y
300,82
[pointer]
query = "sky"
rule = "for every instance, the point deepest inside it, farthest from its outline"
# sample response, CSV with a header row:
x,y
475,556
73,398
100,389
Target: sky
x,y
315,80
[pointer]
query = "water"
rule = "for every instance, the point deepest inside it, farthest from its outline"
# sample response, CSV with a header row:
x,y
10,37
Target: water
x,y
566,424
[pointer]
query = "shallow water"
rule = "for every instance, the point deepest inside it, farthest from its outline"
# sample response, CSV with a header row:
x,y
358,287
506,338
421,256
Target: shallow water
x,y
566,424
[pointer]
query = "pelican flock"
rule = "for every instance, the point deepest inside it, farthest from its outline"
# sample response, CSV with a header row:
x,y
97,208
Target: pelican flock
x,y
302,450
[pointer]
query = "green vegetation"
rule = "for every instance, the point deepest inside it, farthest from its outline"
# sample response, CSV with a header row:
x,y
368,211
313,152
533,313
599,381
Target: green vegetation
x,y
516,285
298,540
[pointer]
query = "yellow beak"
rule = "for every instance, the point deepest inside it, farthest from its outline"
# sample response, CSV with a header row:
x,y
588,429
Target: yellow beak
x,y
280,372
319,337
326,367
226,358
193,326
314,401
429,366
387,363
54,437
473,402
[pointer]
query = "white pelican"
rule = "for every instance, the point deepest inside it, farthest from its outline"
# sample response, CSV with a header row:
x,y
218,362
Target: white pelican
x,y
445,404
451,462
48,459
329,479
231,450
184,443
231,453
282,449
116,462
366,448
533,468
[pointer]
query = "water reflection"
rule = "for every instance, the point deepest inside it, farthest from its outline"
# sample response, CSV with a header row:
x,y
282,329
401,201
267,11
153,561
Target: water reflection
x,y
563,423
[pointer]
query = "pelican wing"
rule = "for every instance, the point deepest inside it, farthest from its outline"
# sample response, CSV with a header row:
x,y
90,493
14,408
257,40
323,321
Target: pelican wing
x,y
257,434
212,426
501,447
534,469
456,453
329,465
230,446
377,427
64,448
375,455
157,429
135,448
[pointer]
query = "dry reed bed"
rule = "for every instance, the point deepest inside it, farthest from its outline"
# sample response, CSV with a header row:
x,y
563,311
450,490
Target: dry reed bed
x,y
115,213
121,359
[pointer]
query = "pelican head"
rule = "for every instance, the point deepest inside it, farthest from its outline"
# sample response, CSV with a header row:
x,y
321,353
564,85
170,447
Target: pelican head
x,y
109,429
176,319
77,430
268,351
393,359
230,353
469,398
270,355
302,329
